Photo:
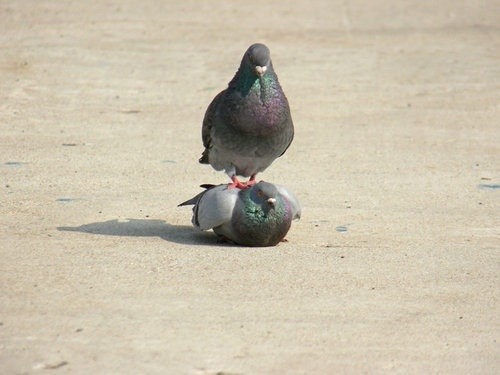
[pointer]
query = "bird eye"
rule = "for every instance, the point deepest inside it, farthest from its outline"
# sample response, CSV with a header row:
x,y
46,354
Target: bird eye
x,y
260,193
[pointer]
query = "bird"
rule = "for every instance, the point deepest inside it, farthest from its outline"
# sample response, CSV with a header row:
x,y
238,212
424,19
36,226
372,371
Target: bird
x,y
259,215
248,125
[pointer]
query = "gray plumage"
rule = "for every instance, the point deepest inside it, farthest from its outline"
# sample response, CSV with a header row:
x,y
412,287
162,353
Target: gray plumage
x,y
248,125
260,215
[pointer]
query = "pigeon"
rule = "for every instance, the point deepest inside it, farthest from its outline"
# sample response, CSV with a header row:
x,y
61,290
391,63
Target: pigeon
x,y
260,215
248,125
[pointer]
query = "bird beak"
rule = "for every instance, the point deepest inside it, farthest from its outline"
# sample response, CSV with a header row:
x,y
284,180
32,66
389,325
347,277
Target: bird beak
x,y
271,201
260,70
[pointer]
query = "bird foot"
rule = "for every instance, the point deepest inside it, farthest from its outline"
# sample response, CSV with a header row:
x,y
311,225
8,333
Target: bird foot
x,y
250,182
237,184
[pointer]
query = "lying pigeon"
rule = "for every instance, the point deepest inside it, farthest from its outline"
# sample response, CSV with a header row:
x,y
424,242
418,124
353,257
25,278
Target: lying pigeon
x,y
248,125
260,215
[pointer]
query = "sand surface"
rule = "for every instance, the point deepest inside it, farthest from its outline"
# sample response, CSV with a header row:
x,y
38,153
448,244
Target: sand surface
x,y
394,267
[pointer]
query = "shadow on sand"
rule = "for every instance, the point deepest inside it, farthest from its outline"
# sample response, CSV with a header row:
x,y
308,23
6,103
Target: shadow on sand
x,y
182,234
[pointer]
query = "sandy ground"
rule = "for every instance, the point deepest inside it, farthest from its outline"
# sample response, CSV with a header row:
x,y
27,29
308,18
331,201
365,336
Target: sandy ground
x,y
394,267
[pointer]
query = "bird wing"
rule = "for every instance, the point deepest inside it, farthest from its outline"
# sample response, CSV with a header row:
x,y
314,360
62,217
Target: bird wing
x,y
206,128
296,209
215,207
291,138
197,197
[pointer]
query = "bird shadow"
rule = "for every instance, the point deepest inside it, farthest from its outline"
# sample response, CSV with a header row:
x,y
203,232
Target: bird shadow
x,y
182,234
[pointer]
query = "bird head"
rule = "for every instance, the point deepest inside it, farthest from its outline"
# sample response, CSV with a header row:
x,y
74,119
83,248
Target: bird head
x,y
258,58
265,194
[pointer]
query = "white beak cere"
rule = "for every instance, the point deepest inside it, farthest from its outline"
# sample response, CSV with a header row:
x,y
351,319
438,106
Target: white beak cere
x,y
260,70
271,201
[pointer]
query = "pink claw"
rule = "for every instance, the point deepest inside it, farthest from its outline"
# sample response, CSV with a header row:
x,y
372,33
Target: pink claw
x,y
237,184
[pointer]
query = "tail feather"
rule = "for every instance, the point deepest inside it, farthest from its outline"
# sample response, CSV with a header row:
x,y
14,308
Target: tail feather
x,y
204,157
196,198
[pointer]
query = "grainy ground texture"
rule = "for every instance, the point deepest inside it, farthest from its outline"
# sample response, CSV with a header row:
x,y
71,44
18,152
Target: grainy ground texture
x,y
394,267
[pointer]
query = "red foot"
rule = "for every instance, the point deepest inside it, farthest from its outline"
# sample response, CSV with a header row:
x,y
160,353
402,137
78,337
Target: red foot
x,y
241,185
236,184
252,181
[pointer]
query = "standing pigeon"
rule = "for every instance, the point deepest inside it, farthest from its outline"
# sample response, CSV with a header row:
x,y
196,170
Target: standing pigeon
x,y
260,215
249,124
